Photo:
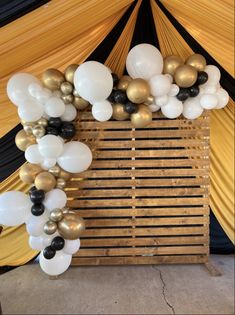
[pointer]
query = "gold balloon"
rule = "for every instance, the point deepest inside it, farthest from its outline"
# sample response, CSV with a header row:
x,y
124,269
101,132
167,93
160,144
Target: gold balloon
x,y
52,79
69,72
80,103
42,122
67,98
142,118
23,140
171,63
197,61
138,91
149,100
66,88
50,227
185,76
67,210
56,215
61,183
55,170
119,113
124,82
45,181
71,226
28,172
65,175
75,93
39,131
28,129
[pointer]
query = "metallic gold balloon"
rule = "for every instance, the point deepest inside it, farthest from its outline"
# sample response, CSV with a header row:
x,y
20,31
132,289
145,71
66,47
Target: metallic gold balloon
x,y
42,122
171,63
23,141
142,118
75,93
61,183
67,99
149,100
56,215
66,88
69,72
50,227
28,129
71,226
39,131
124,82
52,79
28,172
185,76
67,210
55,170
80,103
138,91
119,113
45,181
65,175
197,61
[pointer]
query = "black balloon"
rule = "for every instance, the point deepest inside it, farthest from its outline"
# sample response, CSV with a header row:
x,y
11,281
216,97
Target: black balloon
x,y
37,196
183,94
202,77
52,131
120,96
57,243
111,97
49,252
67,130
115,79
32,189
54,122
194,90
37,209
130,108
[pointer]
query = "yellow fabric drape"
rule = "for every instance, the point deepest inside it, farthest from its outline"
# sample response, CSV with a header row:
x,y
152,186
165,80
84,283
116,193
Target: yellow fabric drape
x,y
222,132
211,23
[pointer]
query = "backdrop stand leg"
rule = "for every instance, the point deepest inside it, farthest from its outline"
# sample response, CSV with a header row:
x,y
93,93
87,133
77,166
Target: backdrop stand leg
x,y
212,269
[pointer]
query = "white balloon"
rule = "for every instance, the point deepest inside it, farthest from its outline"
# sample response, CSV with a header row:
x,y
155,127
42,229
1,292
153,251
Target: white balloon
x,y
213,75
174,90
70,113
173,108
48,163
144,61
32,154
57,93
50,146
210,89
17,87
35,224
56,198
57,265
169,77
54,107
223,98
154,108
192,108
102,111
30,111
208,101
71,246
160,85
93,81
34,89
161,100
75,158
35,242
46,239
43,95
15,208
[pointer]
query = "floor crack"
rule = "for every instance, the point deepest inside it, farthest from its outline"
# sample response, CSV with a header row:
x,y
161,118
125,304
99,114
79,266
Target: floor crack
x,y
163,290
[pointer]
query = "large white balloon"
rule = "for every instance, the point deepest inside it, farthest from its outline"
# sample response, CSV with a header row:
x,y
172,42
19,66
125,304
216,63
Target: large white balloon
x,y
54,107
102,111
17,87
32,154
15,208
174,90
161,100
70,113
93,81
213,75
71,246
50,146
57,265
173,108
144,61
223,98
48,163
35,224
34,89
56,198
192,108
31,110
76,157
36,242
160,85
43,95
154,108
208,101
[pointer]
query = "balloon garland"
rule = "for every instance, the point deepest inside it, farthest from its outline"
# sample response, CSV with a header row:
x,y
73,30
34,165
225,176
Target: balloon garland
x,y
48,110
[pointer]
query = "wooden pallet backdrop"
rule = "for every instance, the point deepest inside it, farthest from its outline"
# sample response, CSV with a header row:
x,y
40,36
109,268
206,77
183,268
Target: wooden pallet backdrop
x,y
145,198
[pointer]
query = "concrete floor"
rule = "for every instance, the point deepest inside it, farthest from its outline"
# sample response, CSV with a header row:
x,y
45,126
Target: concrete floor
x,y
178,289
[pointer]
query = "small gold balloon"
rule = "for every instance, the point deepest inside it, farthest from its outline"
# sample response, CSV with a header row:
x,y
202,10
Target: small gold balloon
x,y
50,227
67,210
80,103
39,131
66,88
42,122
55,170
71,226
143,117
119,113
28,129
124,82
138,91
149,100
69,72
28,123
65,175
23,140
56,215
185,76
197,61
61,183
28,172
52,79
75,93
45,181
67,99
171,63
